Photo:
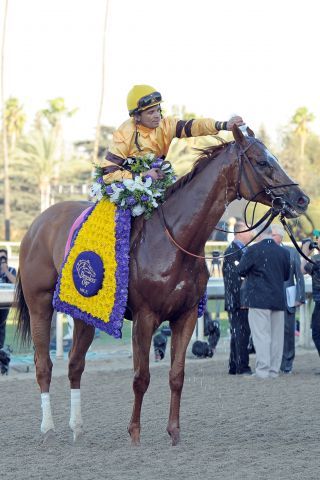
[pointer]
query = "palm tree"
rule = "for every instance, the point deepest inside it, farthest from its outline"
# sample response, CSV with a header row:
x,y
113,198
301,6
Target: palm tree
x,y
52,118
37,160
15,120
300,120
7,212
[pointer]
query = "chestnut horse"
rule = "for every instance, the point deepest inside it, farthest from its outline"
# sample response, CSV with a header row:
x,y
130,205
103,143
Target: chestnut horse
x,y
165,282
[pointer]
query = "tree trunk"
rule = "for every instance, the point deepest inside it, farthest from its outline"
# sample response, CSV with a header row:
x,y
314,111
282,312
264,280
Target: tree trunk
x,y
45,191
4,136
104,41
302,158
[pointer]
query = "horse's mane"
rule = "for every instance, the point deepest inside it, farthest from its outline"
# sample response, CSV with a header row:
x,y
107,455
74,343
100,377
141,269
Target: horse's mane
x,y
207,155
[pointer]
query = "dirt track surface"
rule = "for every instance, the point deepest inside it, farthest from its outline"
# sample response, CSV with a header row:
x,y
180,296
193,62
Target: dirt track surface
x,y
232,427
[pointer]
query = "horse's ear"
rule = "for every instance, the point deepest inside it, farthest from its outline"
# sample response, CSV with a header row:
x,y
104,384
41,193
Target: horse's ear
x,y
238,135
250,132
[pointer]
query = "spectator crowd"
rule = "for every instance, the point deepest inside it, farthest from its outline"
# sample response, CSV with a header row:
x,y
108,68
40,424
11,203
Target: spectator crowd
x,y
264,285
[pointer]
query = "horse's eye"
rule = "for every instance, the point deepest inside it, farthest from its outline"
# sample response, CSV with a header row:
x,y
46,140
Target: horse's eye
x,y
263,163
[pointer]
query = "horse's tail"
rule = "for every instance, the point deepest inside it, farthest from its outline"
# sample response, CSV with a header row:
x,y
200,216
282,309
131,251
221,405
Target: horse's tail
x,y
22,316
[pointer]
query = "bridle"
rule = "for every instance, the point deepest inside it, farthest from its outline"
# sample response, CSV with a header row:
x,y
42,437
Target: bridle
x,y
278,207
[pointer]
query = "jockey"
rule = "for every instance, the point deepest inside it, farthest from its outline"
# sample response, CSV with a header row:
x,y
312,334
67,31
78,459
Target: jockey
x,y
147,131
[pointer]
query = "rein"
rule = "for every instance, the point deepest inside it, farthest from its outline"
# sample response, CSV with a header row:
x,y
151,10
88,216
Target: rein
x,y
272,213
293,240
275,210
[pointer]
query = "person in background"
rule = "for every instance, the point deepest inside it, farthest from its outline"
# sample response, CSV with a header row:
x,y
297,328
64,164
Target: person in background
x,y
266,266
296,278
238,317
313,269
7,275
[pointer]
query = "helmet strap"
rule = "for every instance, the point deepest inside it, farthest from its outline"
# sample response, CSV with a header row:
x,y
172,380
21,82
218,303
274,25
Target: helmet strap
x,y
136,136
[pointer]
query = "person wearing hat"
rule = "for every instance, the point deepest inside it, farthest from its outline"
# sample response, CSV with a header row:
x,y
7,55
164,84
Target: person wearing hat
x,y
147,131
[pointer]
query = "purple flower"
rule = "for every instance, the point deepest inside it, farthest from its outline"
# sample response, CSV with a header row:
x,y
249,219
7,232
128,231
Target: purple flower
x,y
121,185
109,190
131,200
100,180
144,198
147,176
156,164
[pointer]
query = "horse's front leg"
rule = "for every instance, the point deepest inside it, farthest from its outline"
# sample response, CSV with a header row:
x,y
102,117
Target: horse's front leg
x,y
144,324
182,330
82,338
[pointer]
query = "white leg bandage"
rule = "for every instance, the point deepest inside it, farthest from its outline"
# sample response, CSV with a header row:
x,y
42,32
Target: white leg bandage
x,y
47,420
75,412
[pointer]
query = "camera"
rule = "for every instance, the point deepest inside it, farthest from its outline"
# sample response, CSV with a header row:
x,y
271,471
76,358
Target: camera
x,y
312,243
3,260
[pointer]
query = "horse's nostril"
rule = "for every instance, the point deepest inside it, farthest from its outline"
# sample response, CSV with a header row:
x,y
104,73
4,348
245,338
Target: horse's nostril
x,y
303,201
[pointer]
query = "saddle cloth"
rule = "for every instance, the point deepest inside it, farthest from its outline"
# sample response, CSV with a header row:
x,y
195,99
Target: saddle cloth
x,y
93,283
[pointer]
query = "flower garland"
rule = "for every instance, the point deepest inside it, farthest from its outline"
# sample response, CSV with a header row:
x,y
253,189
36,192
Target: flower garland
x,y
140,194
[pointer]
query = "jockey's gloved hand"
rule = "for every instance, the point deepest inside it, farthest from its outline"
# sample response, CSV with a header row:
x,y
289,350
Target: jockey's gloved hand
x,y
236,120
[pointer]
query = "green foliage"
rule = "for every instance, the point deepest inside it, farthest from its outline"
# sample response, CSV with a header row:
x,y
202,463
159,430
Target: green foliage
x,y
86,146
301,118
56,111
38,158
14,118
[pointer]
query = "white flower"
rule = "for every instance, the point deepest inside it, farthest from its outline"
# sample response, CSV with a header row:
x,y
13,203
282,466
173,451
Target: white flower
x,y
122,203
137,210
114,197
154,203
128,182
95,191
148,182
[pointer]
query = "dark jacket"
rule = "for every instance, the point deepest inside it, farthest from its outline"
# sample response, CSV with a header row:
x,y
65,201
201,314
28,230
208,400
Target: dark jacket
x,y
314,271
266,267
231,277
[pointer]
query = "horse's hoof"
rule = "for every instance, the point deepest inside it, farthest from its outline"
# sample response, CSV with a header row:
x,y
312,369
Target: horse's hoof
x,y
49,438
175,437
78,435
135,443
135,437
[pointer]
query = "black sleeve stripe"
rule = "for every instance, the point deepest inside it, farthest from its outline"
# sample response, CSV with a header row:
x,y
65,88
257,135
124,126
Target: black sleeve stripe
x,y
114,158
107,170
187,128
179,128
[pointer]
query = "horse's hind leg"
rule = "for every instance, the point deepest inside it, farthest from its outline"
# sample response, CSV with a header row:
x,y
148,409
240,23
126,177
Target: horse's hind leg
x,y
182,329
40,308
82,338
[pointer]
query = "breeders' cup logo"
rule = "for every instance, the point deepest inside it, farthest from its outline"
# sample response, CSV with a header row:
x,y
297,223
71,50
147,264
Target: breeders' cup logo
x,y
88,273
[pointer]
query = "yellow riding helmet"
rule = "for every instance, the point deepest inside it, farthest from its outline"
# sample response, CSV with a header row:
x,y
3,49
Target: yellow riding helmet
x,y
142,97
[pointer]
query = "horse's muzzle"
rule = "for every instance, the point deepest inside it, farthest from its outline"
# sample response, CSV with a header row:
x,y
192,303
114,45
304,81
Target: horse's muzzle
x,y
296,207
